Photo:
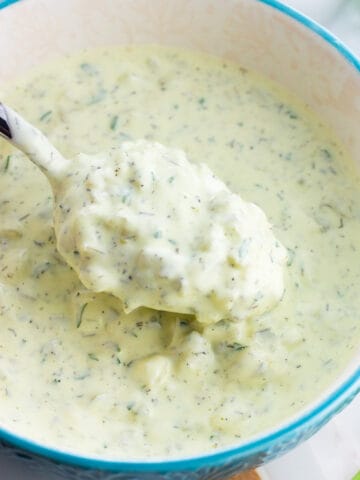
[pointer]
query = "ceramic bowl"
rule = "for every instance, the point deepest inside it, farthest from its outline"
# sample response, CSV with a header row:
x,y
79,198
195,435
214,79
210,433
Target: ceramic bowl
x,y
262,35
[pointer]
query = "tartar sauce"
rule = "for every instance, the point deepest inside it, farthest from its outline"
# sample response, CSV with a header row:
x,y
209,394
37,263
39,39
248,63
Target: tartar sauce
x,y
80,374
143,223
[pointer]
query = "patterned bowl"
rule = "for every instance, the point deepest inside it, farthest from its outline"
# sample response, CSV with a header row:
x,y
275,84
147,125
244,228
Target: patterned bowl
x,y
263,35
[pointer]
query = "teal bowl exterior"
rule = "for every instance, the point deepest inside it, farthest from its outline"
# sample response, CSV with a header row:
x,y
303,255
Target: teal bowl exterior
x,y
215,466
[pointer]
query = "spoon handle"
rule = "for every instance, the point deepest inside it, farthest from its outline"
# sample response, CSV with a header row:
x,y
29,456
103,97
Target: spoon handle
x,y
32,142
4,124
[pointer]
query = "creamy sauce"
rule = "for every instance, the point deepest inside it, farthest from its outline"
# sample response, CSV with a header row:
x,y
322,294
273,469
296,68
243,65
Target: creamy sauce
x,y
106,380
143,223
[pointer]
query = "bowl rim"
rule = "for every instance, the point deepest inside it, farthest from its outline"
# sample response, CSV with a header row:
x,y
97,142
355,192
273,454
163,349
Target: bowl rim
x,y
332,402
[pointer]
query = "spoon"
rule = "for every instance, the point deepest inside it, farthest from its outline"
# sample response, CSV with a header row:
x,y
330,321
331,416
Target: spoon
x,y
33,143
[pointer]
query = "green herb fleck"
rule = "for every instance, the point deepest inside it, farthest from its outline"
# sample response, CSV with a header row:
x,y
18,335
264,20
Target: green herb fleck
x,y
45,116
98,97
291,256
171,179
38,243
82,376
7,163
326,154
123,137
92,356
89,69
81,313
157,234
201,101
41,268
237,347
126,198
114,122
24,217
291,114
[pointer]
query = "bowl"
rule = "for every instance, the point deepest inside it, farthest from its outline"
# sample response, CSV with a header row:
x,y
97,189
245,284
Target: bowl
x,y
262,35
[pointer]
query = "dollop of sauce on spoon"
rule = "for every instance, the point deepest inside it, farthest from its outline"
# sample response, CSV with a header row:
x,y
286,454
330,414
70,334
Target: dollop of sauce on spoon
x,y
143,223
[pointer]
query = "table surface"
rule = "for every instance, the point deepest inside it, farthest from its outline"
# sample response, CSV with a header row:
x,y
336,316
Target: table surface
x,y
334,452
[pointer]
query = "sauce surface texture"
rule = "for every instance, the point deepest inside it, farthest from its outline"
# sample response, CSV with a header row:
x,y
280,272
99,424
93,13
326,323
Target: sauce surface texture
x,y
143,223
79,374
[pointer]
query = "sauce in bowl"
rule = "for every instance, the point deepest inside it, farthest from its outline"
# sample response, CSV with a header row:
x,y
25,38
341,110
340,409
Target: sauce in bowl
x,y
78,373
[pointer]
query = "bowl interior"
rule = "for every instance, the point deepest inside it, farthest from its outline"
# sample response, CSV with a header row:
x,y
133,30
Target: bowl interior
x,y
253,33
